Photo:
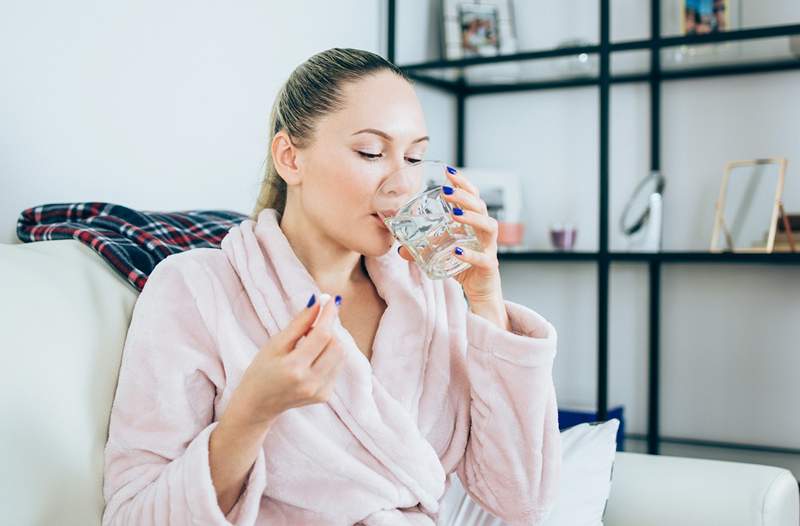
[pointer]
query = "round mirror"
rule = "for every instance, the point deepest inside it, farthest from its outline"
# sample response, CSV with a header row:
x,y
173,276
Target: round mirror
x,y
637,209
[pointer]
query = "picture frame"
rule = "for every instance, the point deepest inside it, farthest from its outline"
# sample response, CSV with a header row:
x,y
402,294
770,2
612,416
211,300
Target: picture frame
x,y
474,28
675,13
750,199
700,17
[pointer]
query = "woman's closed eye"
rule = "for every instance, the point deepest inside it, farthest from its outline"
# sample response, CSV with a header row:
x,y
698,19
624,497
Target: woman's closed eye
x,y
375,156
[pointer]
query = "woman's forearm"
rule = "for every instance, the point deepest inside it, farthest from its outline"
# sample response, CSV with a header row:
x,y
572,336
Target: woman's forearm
x,y
233,449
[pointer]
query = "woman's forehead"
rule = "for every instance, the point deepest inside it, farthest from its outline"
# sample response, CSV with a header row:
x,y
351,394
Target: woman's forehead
x,y
374,106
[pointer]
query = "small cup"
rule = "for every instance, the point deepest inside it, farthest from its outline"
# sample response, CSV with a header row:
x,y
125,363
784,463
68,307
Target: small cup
x,y
563,237
510,234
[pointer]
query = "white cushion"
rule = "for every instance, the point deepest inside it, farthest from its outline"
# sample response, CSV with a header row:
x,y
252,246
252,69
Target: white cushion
x,y
64,314
588,452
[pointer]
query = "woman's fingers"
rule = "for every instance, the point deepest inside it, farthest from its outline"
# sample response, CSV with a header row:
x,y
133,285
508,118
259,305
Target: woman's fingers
x,y
485,226
465,200
405,253
461,182
328,361
295,332
318,337
476,259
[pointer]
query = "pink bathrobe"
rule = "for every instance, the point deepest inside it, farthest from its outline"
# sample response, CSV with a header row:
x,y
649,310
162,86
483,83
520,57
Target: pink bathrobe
x,y
445,391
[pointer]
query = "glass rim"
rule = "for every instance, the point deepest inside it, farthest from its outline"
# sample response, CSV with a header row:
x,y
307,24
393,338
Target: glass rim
x,y
423,161
426,162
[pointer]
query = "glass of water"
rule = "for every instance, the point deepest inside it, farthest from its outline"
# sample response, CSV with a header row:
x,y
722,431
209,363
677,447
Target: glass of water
x,y
411,204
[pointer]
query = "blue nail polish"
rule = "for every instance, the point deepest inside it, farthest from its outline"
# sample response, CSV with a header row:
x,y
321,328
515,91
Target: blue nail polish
x,y
451,170
338,300
447,190
457,211
459,251
311,300
398,248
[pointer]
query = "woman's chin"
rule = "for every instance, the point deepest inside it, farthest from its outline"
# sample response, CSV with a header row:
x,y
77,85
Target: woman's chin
x,y
378,245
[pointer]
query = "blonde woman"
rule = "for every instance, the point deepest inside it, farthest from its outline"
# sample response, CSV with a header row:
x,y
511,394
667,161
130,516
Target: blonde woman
x,y
245,397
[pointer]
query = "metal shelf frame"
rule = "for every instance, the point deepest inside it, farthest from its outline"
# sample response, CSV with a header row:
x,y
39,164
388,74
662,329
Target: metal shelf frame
x,y
603,257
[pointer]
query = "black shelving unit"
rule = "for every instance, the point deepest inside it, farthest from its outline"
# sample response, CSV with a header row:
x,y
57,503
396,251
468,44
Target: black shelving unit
x,y
430,73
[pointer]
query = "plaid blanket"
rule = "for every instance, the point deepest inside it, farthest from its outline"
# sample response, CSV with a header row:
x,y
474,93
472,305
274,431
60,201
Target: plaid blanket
x,y
131,241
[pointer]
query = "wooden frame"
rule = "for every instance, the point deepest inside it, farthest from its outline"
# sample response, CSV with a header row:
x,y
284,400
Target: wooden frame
x,y
452,35
777,209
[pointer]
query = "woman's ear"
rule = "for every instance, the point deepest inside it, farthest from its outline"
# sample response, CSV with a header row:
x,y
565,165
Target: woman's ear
x,y
284,156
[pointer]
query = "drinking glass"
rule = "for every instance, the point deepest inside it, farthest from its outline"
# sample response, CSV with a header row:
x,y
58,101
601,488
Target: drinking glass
x,y
411,204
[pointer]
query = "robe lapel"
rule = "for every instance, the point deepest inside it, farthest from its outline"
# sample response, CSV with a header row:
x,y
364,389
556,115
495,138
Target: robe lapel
x,y
378,404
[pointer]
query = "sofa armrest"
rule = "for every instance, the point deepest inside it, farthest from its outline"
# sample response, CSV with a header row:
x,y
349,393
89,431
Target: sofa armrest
x,y
658,490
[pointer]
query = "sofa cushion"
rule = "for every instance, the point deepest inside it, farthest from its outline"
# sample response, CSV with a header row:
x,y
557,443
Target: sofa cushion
x,y
65,314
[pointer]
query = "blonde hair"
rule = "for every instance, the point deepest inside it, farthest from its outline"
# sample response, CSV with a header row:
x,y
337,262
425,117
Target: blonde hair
x,y
313,90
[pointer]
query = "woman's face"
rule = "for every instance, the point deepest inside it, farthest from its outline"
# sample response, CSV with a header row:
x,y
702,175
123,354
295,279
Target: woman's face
x,y
380,129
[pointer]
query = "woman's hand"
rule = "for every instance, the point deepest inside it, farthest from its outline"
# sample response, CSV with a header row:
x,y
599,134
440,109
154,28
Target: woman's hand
x,y
296,367
481,281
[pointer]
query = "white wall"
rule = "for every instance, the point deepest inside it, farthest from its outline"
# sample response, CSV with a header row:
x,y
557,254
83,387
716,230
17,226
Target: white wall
x,y
164,106
155,105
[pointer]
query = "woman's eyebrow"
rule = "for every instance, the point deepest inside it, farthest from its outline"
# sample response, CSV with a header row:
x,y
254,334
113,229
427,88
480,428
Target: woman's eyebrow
x,y
387,136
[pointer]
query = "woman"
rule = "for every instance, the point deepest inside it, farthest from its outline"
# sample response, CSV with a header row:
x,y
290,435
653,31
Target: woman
x,y
243,400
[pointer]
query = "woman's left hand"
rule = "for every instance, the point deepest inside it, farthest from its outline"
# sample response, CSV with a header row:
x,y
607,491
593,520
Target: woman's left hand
x,y
481,281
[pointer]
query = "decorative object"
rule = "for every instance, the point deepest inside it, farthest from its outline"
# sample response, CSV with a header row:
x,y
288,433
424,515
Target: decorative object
x,y
794,45
698,17
478,28
750,200
508,233
562,236
787,239
502,193
640,221
705,16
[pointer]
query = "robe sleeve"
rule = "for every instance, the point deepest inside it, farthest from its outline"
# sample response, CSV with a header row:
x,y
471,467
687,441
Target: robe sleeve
x,y
512,462
156,458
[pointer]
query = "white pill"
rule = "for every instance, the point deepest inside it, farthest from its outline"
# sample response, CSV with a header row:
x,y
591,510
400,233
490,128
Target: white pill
x,y
323,299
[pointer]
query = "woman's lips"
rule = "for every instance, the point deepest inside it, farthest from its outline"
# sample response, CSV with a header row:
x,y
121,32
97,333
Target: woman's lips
x,y
379,220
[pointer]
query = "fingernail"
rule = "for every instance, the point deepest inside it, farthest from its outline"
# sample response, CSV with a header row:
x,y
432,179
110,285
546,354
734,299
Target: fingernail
x,y
457,211
451,170
459,251
447,190
398,248
338,300
311,300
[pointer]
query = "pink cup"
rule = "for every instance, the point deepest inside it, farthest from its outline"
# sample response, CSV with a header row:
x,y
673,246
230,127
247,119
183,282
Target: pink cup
x,y
509,234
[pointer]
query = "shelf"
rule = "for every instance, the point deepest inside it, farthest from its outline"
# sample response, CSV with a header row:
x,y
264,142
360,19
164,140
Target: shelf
x,y
744,51
546,255
653,61
777,258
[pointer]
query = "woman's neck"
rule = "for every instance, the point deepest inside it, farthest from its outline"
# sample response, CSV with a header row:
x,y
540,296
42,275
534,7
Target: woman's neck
x,y
333,267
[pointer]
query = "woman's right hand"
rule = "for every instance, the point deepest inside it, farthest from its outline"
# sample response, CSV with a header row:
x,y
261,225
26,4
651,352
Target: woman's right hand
x,y
297,366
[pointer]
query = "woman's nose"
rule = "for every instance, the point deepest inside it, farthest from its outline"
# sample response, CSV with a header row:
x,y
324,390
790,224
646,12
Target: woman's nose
x,y
403,181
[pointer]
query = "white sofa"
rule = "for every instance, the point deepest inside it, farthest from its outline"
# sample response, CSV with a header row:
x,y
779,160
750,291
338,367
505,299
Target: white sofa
x,y
64,315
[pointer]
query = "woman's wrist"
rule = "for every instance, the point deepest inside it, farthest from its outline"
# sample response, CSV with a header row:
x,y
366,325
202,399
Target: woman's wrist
x,y
239,417
493,311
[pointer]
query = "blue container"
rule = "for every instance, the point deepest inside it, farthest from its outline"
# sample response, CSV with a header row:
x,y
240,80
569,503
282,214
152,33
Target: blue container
x,y
570,417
